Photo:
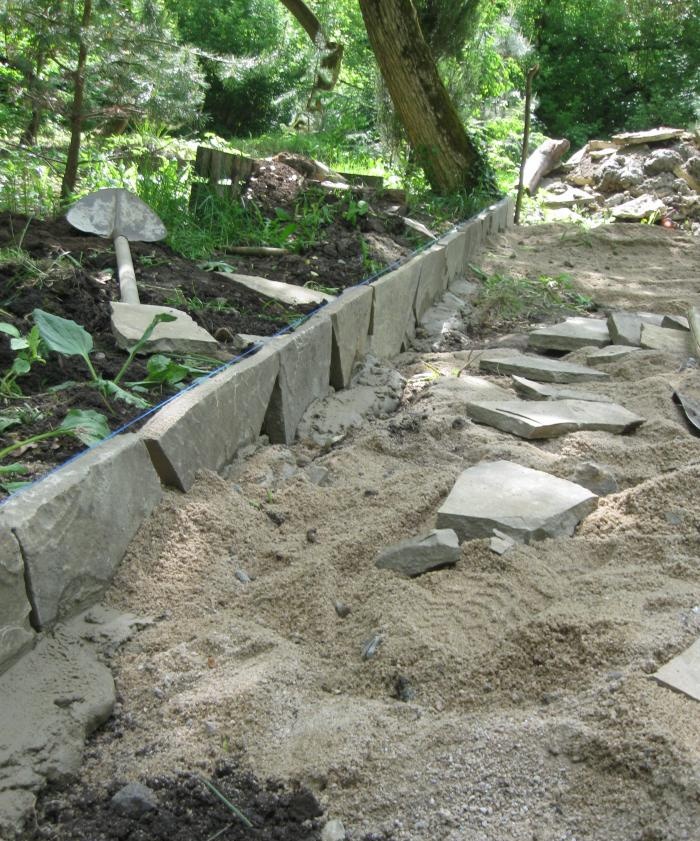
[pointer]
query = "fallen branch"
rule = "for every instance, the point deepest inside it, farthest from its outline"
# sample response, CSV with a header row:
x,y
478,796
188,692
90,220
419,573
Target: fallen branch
x,y
256,250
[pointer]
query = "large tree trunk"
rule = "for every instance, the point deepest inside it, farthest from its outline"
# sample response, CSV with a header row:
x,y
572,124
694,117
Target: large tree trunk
x,y
330,52
436,134
70,176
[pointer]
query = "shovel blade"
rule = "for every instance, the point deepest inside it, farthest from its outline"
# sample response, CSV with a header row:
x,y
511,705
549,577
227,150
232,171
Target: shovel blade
x,y
116,212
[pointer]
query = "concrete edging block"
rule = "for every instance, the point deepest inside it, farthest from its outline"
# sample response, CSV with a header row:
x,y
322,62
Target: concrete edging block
x,y
304,376
16,633
432,280
455,248
350,317
393,318
74,526
205,427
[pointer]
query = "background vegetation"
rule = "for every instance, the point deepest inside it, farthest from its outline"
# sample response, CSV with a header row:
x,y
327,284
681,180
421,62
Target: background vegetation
x,y
161,76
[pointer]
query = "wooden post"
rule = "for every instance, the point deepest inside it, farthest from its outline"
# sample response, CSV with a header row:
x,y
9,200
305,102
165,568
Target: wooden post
x,y
531,73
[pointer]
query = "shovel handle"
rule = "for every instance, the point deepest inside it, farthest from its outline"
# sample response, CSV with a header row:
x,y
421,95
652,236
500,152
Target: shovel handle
x,y
128,290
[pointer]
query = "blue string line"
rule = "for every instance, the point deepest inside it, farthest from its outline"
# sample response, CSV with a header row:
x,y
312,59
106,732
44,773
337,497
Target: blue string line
x,y
249,352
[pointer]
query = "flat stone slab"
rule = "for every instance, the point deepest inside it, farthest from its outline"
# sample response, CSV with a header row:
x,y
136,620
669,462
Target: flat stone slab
x,y
654,135
458,391
611,353
524,504
15,631
551,418
205,426
350,316
571,334
393,319
667,339
639,208
675,322
287,293
539,368
683,672
184,335
74,526
626,327
432,279
543,391
420,554
304,376
455,245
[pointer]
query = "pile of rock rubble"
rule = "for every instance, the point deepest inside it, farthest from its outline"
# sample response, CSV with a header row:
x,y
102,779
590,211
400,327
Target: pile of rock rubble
x,y
649,175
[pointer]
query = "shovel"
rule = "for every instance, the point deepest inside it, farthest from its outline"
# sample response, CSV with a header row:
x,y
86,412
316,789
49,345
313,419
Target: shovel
x,y
123,217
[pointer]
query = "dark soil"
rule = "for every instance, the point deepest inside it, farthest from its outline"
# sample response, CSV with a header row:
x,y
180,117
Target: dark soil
x,y
73,275
186,811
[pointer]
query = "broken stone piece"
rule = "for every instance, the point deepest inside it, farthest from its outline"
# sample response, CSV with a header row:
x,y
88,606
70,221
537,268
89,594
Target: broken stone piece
x,y
500,543
683,672
675,322
420,554
539,368
276,290
666,339
634,210
596,478
522,503
571,334
184,335
626,327
611,353
548,419
544,391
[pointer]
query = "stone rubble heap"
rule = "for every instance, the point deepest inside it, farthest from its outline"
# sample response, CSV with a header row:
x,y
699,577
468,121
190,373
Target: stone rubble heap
x,y
652,176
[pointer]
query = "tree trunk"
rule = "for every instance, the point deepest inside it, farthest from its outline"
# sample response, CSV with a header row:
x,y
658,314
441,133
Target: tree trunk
x,y
330,52
441,145
70,176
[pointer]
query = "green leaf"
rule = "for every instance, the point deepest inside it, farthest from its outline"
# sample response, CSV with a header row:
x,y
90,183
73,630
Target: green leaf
x,y
19,344
12,487
157,319
87,425
63,335
7,422
111,388
10,329
8,469
20,366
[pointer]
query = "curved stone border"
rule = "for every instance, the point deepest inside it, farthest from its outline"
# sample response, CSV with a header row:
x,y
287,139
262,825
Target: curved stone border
x,y
62,539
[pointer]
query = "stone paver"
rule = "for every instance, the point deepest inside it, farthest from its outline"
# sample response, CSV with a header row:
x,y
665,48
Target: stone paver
x,y
544,391
304,376
571,334
393,320
350,317
432,280
666,339
184,335
420,554
15,631
609,354
206,426
538,368
551,418
74,527
287,293
626,327
683,672
523,503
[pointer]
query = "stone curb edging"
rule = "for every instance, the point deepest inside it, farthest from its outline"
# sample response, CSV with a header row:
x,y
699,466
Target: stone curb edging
x,y
62,539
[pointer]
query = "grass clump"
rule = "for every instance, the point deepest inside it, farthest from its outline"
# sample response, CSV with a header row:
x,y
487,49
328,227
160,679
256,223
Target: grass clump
x,y
510,301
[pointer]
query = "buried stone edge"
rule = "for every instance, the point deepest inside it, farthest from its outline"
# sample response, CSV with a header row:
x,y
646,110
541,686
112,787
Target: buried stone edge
x,y
65,536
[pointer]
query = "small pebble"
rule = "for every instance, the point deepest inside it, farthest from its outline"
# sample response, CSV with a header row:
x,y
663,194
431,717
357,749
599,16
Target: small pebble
x,y
312,536
242,576
371,647
342,609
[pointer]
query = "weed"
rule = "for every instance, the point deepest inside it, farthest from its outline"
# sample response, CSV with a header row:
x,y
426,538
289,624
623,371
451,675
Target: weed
x,y
28,350
513,299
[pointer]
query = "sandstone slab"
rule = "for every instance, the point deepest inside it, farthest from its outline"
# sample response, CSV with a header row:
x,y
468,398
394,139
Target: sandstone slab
x,y
683,672
626,327
456,392
205,426
655,135
544,391
666,339
524,504
74,526
539,368
420,554
393,320
551,418
432,279
455,244
609,354
16,633
304,376
350,317
571,334
287,293
675,322
184,335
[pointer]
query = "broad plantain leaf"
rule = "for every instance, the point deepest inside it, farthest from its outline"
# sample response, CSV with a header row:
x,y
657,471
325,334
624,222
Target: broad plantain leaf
x,y
87,425
111,388
63,335
8,469
10,329
7,422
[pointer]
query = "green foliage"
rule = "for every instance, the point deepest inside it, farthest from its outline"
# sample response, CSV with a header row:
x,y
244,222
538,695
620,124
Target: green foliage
x,y
507,300
28,350
609,65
